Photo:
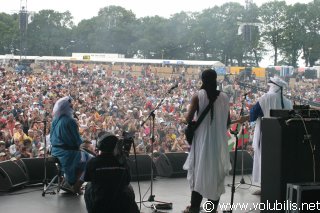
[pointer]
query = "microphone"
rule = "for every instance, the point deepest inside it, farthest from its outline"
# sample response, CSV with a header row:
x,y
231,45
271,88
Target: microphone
x,y
173,87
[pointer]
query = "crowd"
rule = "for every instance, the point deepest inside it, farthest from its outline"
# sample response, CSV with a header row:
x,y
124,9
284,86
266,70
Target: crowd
x,y
115,101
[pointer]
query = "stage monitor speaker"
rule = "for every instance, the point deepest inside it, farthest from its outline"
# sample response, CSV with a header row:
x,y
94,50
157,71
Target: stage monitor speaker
x,y
143,162
247,162
287,156
34,169
11,176
171,164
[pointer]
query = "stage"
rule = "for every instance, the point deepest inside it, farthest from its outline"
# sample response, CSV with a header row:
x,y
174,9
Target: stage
x,y
174,190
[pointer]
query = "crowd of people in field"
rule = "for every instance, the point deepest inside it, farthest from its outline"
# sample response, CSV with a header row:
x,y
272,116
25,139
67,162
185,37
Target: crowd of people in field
x,y
116,101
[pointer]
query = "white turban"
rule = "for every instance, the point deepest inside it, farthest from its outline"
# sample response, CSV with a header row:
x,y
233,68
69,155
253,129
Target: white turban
x,y
63,107
276,84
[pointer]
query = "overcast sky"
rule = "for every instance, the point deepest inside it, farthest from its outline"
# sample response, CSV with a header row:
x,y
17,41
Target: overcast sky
x,y
85,9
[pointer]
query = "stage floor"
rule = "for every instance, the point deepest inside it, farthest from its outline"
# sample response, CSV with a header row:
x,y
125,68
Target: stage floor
x,y
174,190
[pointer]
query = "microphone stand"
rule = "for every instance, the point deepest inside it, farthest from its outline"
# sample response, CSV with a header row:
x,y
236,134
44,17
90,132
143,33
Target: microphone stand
x,y
46,184
151,116
235,133
242,147
242,137
45,180
233,188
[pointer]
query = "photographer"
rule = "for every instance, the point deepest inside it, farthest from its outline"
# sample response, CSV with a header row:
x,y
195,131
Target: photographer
x,y
108,188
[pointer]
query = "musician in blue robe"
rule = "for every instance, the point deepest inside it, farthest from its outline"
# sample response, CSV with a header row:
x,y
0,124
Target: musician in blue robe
x,y
65,139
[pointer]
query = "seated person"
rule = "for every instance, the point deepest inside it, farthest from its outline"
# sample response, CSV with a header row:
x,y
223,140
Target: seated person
x,y
108,188
65,140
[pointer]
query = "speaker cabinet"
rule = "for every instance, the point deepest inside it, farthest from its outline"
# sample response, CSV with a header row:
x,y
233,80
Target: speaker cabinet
x,y
23,16
287,156
143,162
171,164
247,162
34,169
11,176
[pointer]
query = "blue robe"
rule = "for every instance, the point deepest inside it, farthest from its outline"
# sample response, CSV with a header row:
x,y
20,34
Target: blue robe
x,y
66,140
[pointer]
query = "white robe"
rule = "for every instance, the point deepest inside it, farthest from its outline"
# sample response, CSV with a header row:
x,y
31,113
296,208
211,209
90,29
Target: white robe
x,y
268,101
208,161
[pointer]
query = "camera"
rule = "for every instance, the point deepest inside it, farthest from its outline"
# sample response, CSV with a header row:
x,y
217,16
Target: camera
x,y
120,147
124,144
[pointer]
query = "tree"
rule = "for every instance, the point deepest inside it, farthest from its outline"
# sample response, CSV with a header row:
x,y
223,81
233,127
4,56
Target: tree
x,y
294,33
204,36
49,32
273,17
83,35
150,33
212,34
112,31
9,33
231,44
177,29
311,47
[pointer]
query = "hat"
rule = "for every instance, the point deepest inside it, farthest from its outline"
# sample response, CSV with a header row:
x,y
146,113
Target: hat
x,y
106,141
278,82
2,154
2,142
17,123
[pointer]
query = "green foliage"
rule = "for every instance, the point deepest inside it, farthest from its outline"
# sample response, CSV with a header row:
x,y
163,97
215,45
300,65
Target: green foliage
x,y
9,33
212,34
49,32
111,31
295,33
272,15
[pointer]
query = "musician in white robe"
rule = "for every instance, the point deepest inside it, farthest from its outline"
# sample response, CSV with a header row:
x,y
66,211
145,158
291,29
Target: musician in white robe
x,y
208,161
273,99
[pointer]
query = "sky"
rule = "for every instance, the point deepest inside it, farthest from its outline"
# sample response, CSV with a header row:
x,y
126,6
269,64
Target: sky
x,y
85,9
